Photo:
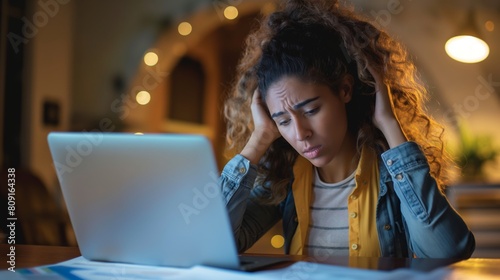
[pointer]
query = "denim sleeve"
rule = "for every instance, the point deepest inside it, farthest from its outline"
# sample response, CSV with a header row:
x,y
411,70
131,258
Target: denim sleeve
x,y
249,218
435,229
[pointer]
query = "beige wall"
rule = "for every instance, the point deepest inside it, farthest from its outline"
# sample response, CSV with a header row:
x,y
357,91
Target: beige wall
x,y
48,76
75,56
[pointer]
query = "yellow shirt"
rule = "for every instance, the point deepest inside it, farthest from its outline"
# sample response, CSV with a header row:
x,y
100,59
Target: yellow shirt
x,y
362,206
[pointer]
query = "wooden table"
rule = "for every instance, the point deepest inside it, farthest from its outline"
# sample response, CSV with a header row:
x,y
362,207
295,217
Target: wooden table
x,y
35,255
474,268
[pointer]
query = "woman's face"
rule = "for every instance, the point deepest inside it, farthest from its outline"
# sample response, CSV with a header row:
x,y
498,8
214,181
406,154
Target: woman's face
x,y
310,117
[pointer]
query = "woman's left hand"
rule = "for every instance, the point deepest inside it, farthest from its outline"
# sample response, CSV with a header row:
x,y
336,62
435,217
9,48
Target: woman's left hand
x,y
384,117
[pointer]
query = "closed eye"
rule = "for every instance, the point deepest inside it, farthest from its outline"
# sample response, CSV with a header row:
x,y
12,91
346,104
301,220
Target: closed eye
x,y
311,112
284,122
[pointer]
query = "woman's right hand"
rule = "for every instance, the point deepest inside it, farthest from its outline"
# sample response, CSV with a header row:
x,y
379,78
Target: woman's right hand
x,y
264,133
264,127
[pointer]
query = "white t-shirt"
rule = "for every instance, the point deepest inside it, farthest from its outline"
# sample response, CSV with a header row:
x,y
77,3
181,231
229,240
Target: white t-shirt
x,y
329,224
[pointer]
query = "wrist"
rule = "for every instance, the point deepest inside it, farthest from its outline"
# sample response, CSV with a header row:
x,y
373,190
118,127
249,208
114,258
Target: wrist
x,y
256,147
393,132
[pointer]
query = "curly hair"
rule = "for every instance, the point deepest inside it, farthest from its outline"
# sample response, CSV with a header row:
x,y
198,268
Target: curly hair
x,y
318,40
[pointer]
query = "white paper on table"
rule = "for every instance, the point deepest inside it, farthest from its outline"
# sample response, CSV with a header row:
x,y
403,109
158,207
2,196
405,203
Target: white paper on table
x,y
81,268
308,270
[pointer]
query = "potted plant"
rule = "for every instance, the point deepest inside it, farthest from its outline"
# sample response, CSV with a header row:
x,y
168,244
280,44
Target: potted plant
x,y
475,152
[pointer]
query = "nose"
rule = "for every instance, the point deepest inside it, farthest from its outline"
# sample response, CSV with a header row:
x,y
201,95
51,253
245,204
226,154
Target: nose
x,y
302,130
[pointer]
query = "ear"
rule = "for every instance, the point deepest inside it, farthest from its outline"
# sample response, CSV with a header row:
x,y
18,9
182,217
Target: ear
x,y
346,88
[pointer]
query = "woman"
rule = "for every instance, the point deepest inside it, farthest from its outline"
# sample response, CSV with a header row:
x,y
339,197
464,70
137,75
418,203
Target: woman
x,y
340,147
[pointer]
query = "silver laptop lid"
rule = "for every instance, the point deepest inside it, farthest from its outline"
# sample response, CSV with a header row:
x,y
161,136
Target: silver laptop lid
x,y
144,199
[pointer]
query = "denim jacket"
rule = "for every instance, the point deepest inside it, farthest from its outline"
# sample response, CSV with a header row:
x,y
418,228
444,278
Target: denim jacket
x,y
414,219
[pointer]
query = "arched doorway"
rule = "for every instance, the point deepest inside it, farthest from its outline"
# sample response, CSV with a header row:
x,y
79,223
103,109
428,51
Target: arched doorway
x,y
205,61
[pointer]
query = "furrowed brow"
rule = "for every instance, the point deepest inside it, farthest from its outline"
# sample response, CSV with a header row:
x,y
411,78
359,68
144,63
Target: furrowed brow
x,y
277,114
295,107
304,103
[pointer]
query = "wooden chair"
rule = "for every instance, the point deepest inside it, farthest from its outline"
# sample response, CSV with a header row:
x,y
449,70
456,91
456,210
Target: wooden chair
x,y
479,206
40,219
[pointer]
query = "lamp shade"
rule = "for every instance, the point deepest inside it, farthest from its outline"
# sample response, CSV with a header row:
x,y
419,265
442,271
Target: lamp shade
x,y
467,49
467,46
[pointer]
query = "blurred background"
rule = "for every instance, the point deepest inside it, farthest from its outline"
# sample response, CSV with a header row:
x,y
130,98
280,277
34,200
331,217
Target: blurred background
x,y
165,66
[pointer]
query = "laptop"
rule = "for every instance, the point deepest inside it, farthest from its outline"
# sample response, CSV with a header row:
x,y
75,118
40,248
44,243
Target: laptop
x,y
146,199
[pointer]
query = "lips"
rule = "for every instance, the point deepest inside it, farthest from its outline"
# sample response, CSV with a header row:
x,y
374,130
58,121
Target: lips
x,y
312,152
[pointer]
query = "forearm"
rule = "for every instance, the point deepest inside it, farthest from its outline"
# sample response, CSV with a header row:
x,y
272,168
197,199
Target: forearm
x,y
393,133
435,229
249,219
236,181
257,146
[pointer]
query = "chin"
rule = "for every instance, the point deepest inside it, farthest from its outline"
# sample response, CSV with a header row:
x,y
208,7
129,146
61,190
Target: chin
x,y
318,162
